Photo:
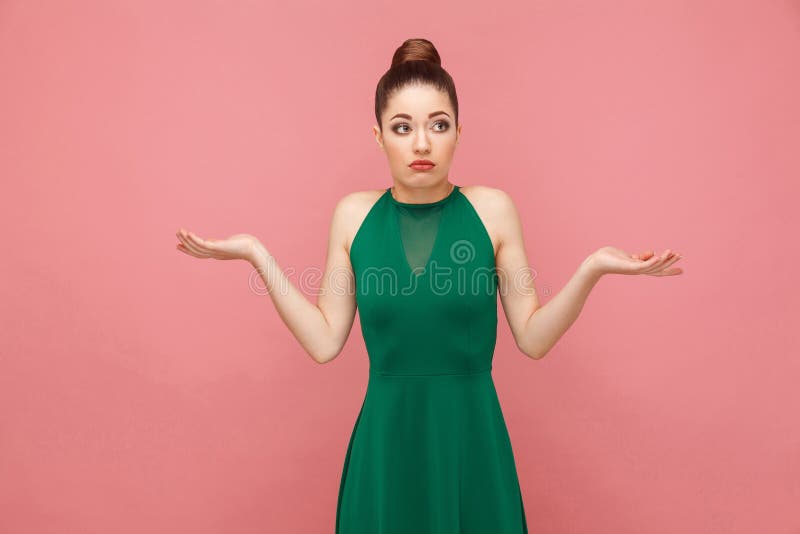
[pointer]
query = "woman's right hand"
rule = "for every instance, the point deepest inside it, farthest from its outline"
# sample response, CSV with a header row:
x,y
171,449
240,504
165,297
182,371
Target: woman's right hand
x,y
236,247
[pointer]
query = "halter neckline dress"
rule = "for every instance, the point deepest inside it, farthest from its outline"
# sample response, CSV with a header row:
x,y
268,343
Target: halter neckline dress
x,y
429,452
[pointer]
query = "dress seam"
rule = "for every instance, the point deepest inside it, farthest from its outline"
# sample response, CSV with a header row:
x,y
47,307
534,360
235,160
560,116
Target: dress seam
x,y
431,374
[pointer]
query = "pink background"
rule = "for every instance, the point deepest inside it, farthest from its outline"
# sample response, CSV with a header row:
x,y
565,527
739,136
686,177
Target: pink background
x,y
142,390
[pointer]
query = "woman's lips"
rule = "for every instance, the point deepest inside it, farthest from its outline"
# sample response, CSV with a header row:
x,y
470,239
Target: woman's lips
x,y
422,166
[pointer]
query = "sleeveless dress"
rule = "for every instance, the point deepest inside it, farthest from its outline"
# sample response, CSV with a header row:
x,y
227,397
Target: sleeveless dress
x,y
429,452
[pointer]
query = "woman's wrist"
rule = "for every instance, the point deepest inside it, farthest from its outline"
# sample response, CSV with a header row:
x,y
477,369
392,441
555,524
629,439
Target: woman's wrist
x,y
258,253
590,268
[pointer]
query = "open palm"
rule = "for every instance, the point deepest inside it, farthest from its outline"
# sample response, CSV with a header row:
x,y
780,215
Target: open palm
x,y
236,247
610,260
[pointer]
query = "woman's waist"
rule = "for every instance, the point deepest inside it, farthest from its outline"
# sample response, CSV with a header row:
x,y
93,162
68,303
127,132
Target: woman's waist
x,y
377,371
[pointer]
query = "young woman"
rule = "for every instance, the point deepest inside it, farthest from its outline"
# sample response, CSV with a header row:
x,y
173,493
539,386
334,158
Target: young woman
x,y
429,451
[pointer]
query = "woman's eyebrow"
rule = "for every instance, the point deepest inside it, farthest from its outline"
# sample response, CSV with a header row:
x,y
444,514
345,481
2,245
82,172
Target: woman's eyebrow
x,y
406,116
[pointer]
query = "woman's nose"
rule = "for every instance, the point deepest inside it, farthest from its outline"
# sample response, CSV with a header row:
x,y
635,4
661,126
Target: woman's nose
x,y
421,143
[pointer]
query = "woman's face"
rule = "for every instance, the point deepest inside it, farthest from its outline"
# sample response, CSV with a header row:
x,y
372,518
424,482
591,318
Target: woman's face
x,y
418,123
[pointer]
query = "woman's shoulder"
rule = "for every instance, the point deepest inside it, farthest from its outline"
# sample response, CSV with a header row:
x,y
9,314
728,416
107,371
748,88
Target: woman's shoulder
x,y
494,207
355,205
358,199
353,208
487,200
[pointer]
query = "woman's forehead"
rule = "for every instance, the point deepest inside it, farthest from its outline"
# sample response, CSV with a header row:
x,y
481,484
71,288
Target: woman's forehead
x,y
418,101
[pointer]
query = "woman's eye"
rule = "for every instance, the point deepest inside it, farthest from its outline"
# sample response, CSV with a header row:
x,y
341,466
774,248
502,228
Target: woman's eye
x,y
444,126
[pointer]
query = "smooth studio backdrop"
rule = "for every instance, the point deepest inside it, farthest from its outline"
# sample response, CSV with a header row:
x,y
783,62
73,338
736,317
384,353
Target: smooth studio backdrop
x,y
143,390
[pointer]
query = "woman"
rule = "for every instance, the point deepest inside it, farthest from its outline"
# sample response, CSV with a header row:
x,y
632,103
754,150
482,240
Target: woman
x,y
429,452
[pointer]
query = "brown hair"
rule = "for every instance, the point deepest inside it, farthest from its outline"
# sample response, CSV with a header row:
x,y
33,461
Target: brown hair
x,y
416,61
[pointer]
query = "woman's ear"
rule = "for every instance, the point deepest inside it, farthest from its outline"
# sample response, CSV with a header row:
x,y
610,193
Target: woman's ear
x,y
378,137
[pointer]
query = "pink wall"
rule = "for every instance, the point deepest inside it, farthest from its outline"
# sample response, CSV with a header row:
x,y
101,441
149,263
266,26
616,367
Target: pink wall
x,y
142,390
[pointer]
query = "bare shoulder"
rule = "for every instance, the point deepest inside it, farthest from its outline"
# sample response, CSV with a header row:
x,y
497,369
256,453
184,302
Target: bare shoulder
x,y
352,209
495,208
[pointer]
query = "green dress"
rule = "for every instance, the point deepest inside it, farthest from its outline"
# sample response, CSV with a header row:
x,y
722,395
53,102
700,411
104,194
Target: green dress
x,y
429,452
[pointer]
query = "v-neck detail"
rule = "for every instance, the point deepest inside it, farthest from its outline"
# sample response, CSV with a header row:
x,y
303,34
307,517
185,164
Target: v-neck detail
x,y
416,208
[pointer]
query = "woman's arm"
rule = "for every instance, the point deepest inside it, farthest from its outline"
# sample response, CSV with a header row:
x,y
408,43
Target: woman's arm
x,y
322,329
537,328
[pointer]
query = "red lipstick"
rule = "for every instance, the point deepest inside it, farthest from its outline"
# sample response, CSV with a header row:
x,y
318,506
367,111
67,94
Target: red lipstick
x,y
422,165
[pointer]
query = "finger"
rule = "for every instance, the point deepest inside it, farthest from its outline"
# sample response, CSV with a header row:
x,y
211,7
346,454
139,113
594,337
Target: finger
x,y
658,266
208,247
184,240
672,272
197,241
205,245
659,263
645,265
191,246
646,255
675,257
668,272
182,248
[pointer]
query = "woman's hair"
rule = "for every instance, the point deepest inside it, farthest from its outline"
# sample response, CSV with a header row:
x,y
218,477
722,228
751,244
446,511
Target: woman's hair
x,y
416,61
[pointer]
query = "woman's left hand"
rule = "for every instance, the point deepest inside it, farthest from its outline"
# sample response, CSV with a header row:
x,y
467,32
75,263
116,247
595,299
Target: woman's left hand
x,y
611,260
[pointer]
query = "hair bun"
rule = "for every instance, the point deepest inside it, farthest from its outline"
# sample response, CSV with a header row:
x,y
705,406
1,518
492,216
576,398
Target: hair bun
x,y
416,50
415,62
